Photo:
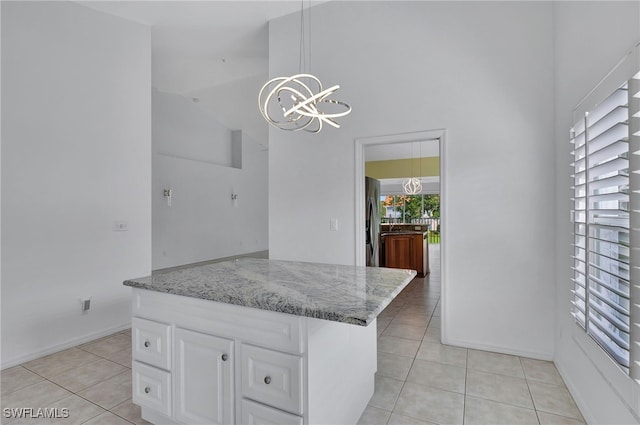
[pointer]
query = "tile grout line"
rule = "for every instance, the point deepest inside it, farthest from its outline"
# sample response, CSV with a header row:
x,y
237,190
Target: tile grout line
x,y
535,409
74,393
412,363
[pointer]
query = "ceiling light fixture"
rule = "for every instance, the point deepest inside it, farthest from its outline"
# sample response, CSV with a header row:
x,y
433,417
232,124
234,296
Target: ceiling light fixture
x,y
299,99
413,185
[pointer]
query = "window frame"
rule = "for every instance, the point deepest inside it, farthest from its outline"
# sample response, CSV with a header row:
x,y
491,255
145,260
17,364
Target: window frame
x,y
627,70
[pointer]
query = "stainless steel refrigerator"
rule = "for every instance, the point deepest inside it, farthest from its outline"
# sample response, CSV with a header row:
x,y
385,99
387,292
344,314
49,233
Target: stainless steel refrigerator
x,y
372,220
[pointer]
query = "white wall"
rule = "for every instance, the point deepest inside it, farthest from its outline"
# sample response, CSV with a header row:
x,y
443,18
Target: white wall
x,y
483,71
192,156
590,38
76,157
180,127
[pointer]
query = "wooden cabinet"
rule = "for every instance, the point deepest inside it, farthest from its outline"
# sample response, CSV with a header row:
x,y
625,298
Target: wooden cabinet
x,y
406,251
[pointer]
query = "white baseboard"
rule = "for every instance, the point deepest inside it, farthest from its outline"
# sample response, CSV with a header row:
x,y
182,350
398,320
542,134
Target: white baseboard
x,y
59,347
476,345
573,390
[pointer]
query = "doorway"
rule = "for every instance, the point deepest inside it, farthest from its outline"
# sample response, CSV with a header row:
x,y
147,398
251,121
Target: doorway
x,y
389,140
438,254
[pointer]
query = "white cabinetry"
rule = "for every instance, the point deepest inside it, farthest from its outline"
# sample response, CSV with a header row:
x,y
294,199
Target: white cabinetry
x,y
203,382
204,362
259,414
272,378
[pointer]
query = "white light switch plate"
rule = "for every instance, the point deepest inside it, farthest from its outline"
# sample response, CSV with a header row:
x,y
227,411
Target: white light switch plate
x,y
120,226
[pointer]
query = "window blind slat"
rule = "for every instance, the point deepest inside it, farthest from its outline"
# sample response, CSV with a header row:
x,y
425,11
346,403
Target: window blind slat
x,y
623,312
612,150
609,168
613,101
609,281
620,114
617,336
618,353
617,133
616,180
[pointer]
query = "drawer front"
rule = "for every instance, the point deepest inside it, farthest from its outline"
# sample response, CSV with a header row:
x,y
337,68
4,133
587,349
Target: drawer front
x,y
151,342
151,388
269,329
272,378
258,414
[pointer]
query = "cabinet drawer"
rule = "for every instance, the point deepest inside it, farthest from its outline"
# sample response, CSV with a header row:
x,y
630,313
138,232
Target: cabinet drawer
x,y
151,388
151,342
272,378
258,414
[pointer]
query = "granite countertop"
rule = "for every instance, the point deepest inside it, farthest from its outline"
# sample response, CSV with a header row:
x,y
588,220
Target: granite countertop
x,y
348,294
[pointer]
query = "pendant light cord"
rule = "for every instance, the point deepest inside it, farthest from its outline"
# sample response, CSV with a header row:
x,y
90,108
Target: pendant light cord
x,y
309,36
301,64
304,64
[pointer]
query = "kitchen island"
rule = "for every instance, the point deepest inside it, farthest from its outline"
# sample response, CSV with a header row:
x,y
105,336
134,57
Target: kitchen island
x,y
405,249
258,341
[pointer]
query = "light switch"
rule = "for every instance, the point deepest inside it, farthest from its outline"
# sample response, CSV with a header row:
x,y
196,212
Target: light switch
x,y
333,224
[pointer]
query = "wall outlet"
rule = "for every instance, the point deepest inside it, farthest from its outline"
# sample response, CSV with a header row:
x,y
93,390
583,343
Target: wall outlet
x,y
86,304
333,224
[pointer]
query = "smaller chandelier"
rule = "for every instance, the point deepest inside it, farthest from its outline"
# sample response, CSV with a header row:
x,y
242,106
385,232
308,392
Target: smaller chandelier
x,y
412,186
301,108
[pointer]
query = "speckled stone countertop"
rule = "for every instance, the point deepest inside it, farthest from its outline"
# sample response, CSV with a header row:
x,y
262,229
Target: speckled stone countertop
x,y
347,294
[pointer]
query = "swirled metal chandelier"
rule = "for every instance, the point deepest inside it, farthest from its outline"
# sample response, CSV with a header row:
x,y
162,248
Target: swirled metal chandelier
x,y
301,109
299,102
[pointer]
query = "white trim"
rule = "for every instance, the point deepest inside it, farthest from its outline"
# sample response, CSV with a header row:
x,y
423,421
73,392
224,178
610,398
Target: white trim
x,y
444,232
359,145
69,344
481,346
626,68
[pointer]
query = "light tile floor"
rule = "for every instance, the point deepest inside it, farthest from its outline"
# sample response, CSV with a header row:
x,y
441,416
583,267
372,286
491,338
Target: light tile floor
x,y
419,380
92,381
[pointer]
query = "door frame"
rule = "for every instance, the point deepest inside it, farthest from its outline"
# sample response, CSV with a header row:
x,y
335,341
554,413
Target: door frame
x,y
359,145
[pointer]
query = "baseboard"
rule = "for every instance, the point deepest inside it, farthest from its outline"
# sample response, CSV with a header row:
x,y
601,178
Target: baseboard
x,y
475,345
573,390
59,347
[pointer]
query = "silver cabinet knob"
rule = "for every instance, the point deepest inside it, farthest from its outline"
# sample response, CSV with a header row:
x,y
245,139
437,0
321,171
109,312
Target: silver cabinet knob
x,y
224,357
267,380
147,390
147,344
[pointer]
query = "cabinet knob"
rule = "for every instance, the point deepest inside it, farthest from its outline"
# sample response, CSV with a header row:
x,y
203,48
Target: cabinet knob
x,y
224,357
267,380
147,344
147,390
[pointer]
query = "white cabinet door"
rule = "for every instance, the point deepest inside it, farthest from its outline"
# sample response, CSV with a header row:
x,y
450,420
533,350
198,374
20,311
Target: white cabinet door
x,y
203,383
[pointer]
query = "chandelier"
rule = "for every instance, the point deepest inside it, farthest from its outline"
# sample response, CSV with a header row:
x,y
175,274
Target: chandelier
x,y
298,102
413,185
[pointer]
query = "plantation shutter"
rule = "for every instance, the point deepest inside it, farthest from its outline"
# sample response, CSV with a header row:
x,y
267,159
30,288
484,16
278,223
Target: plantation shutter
x,y
602,236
